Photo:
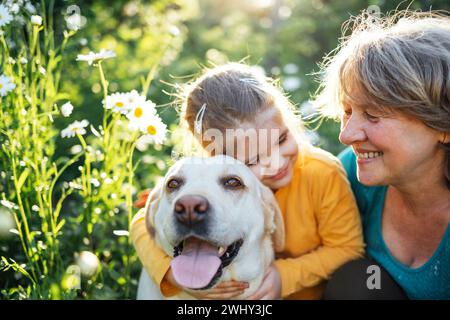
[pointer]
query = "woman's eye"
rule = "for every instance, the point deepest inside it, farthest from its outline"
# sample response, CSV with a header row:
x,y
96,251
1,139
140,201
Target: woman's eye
x,y
173,184
371,117
282,139
232,183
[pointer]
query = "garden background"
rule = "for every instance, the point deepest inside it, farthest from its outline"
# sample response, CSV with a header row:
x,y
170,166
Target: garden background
x,y
66,202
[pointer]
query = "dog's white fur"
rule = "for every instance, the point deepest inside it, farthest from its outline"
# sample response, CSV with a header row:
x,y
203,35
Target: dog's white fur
x,y
251,214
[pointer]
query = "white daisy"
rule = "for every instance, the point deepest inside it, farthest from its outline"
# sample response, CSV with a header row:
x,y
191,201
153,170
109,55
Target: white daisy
x,y
117,102
154,129
66,109
5,16
133,97
74,128
141,112
93,57
5,85
36,20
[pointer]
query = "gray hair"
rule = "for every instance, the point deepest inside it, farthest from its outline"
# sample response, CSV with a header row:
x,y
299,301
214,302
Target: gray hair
x,y
398,63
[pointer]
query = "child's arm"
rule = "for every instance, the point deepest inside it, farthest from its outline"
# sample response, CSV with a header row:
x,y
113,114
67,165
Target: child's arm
x,y
339,227
156,262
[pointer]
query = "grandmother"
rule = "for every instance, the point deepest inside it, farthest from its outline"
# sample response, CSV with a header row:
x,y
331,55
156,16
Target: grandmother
x,y
389,83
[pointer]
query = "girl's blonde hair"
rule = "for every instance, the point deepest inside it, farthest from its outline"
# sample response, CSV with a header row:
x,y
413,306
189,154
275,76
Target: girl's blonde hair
x,y
396,63
232,94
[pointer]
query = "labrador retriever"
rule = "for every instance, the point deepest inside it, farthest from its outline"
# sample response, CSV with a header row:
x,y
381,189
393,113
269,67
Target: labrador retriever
x,y
217,220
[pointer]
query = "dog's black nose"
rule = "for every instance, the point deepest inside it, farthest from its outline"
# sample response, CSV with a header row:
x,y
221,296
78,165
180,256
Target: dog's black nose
x,y
191,209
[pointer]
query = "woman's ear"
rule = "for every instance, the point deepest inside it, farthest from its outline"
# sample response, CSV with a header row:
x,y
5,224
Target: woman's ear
x,y
273,220
151,207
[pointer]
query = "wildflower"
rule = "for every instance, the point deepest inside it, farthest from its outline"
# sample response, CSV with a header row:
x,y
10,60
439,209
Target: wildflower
x,y
93,57
66,109
36,20
5,16
77,127
88,263
75,22
42,70
76,149
117,102
5,85
154,129
75,185
30,8
133,97
14,8
23,60
6,222
9,204
95,182
83,41
141,113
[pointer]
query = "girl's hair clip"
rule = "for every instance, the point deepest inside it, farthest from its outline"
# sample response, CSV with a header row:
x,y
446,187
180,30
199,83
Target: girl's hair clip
x,y
199,119
249,80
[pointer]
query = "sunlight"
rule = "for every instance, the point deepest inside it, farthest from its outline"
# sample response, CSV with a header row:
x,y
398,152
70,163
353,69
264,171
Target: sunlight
x,y
262,4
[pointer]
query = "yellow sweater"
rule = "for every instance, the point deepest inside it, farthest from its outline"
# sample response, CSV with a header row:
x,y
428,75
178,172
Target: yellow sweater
x,y
322,225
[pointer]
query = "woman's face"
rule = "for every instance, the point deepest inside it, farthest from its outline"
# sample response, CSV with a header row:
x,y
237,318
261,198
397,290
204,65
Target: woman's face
x,y
391,148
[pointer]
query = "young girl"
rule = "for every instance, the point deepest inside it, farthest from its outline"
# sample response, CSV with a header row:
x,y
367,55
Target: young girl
x,y
322,224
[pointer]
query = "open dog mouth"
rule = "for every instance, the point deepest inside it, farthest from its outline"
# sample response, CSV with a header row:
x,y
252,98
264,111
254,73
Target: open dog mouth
x,y
198,264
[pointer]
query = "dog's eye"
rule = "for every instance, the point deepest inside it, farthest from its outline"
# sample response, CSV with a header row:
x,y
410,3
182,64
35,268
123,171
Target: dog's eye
x,y
173,184
232,183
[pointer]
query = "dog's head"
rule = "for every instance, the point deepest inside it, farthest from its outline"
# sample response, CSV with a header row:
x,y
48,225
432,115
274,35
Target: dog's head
x,y
211,213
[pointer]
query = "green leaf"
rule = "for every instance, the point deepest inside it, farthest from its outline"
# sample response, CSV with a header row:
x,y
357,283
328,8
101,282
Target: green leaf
x,y
60,225
22,178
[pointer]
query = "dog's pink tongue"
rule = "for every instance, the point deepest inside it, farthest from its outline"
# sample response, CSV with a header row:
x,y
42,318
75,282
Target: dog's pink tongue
x,y
196,266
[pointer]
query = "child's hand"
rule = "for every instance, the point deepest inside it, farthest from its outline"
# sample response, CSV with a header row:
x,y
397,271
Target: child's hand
x,y
270,288
224,290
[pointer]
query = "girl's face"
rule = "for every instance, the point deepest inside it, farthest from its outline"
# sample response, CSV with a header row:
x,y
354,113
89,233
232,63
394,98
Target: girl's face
x,y
267,147
391,149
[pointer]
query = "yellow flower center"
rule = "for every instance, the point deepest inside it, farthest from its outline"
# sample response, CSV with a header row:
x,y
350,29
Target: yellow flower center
x,y
1,86
138,112
119,104
151,130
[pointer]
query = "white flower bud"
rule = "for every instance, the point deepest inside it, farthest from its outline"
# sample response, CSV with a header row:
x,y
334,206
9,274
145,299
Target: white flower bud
x,y
88,263
36,20
66,109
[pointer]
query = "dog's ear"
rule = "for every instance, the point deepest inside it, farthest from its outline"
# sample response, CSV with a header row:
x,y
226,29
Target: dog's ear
x,y
151,206
273,220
